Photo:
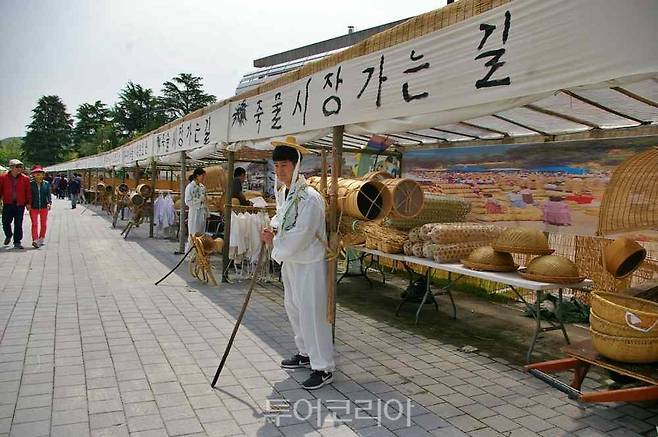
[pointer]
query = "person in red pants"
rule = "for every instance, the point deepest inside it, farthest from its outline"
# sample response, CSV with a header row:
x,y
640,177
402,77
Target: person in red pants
x,y
41,202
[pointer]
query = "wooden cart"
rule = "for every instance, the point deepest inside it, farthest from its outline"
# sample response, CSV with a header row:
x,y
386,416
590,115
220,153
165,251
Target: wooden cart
x,y
582,356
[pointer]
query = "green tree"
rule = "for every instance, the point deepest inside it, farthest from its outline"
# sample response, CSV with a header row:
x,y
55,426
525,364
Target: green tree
x,y
184,94
10,148
137,111
48,137
91,120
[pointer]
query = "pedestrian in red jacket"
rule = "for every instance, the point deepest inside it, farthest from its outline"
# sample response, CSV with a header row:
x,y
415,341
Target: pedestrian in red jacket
x,y
16,195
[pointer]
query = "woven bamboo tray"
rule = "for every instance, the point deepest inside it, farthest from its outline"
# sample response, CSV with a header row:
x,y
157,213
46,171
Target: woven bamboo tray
x,y
552,279
488,267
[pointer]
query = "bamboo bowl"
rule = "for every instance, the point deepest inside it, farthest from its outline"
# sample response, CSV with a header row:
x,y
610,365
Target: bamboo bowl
x,y
638,314
626,349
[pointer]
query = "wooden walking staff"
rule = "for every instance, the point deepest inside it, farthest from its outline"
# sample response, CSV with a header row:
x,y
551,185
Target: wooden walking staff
x,y
332,267
261,258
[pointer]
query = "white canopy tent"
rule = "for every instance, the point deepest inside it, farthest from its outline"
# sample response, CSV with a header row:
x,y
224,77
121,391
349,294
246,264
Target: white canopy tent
x,y
519,71
474,72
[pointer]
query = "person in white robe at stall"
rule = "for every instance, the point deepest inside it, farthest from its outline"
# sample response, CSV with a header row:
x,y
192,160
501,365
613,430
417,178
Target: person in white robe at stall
x,y
197,202
298,239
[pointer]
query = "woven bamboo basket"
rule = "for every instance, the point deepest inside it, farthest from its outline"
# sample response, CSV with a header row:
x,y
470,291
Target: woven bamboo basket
x,y
630,201
407,248
379,176
638,314
443,209
387,239
144,190
522,240
606,327
365,200
488,260
626,349
417,249
108,189
100,187
135,200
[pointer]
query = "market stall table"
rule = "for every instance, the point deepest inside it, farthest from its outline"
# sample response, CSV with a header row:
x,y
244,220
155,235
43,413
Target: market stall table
x,y
513,280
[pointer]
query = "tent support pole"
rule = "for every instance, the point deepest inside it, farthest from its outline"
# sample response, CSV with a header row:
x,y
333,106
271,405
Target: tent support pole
x,y
332,271
154,180
227,215
182,235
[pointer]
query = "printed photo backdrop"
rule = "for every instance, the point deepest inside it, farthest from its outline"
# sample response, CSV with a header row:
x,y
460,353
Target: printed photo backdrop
x,y
557,188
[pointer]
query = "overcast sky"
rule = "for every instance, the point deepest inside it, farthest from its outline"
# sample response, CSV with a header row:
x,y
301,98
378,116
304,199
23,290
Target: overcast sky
x,y
87,50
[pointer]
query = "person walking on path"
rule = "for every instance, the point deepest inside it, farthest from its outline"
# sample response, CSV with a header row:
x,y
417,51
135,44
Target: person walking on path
x,y
74,190
197,202
298,239
16,196
63,187
40,205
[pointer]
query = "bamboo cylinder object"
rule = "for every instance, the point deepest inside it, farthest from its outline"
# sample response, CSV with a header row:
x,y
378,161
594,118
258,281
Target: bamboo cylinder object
x,y
122,189
408,198
365,200
135,200
144,190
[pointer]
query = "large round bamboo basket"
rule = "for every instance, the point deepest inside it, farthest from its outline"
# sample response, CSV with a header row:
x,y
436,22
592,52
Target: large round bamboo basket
x,y
408,197
135,200
603,326
365,200
108,189
144,190
638,314
626,349
376,176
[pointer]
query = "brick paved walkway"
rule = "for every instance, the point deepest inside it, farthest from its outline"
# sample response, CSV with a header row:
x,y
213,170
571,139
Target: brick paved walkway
x,y
89,346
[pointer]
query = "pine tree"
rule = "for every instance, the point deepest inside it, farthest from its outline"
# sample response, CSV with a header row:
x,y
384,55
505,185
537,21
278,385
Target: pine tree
x,y
92,120
48,138
137,111
182,95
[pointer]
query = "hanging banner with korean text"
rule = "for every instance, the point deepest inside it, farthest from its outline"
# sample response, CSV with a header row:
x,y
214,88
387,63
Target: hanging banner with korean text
x,y
516,51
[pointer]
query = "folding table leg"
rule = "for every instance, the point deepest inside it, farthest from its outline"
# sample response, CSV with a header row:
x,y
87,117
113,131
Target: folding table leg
x,y
428,291
559,318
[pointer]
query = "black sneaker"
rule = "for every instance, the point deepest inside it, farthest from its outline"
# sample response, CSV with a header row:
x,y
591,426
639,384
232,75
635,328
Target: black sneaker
x,y
7,241
318,379
18,246
35,244
296,362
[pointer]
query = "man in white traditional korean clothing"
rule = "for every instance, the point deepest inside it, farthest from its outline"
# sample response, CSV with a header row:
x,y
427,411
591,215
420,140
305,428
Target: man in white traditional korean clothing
x,y
298,237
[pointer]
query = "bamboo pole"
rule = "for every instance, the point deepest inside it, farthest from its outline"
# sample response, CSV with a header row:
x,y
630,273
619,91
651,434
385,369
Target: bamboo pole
x,y
227,215
182,234
154,181
323,180
332,270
